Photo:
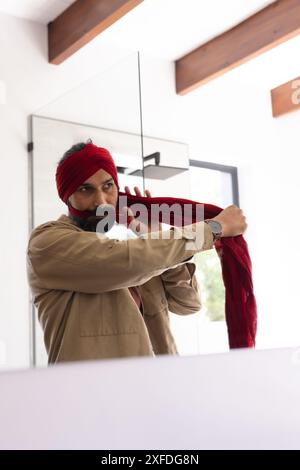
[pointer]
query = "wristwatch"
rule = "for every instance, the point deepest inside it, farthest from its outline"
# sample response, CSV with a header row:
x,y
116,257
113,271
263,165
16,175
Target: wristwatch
x,y
215,227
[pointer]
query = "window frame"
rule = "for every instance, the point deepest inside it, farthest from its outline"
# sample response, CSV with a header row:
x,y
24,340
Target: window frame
x,y
232,170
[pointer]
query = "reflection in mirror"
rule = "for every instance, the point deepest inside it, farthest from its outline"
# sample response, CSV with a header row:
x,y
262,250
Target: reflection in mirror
x,y
199,127
105,109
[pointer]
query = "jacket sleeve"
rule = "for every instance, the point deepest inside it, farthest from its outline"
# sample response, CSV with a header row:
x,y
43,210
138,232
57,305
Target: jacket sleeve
x,y
64,259
182,289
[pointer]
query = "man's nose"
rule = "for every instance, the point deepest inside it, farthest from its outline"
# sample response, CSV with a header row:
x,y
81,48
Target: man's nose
x,y
100,198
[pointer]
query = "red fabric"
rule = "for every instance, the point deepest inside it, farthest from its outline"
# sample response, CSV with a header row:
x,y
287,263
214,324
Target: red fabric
x,y
78,167
240,304
136,296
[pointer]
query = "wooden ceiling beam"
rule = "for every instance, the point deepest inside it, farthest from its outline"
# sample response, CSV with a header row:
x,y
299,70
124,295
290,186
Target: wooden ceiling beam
x,y
269,27
286,98
81,22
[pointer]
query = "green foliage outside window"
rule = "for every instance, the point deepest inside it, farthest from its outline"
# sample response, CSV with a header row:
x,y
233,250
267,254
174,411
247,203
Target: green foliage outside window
x,y
209,277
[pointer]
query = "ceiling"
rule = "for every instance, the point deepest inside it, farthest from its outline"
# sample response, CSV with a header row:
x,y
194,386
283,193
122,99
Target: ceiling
x,y
42,11
172,28
162,28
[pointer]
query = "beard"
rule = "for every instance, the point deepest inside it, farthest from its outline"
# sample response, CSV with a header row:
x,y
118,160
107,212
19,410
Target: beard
x,y
90,223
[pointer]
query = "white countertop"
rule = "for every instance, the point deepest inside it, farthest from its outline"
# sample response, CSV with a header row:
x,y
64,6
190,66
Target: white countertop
x,y
244,399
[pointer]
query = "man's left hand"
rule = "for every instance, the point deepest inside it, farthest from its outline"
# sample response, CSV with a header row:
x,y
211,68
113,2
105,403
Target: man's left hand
x,y
137,226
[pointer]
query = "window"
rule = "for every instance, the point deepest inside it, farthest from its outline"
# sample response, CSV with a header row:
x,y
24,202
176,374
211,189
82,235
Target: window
x,y
206,332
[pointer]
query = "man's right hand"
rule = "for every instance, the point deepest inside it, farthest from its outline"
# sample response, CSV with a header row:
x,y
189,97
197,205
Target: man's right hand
x,y
232,220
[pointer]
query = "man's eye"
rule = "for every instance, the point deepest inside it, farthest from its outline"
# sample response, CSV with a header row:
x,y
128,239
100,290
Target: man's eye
x,y
84,189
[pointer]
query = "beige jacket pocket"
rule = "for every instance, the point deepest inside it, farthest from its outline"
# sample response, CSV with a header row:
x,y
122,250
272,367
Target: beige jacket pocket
x,y
110,313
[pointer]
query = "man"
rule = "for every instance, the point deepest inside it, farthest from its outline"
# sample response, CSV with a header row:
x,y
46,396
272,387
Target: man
x,y
99,297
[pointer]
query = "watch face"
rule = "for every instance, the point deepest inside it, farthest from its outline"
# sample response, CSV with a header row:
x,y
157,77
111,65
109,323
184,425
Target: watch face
x,y
215,226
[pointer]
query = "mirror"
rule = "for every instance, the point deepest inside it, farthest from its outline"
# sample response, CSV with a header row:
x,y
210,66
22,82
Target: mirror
x,y
200,156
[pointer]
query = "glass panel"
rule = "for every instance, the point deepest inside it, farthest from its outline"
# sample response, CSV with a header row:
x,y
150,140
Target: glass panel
x,y
211,185
106,109
166,114
215,187
206,331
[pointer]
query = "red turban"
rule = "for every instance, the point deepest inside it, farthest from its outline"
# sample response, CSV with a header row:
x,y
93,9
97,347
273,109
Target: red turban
x,y
78,167
240,304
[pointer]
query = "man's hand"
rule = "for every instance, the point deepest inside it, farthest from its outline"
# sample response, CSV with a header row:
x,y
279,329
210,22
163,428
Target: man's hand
x,y
232,220
137,226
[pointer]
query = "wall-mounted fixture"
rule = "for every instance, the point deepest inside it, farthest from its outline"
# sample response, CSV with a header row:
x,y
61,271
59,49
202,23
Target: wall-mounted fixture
x,y
154,171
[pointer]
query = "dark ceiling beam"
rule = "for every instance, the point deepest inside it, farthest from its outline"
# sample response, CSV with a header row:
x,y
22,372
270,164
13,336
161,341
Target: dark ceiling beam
x,y
82,22
269,27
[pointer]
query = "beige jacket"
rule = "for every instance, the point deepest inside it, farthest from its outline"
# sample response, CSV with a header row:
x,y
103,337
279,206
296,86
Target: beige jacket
x,y
79,282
